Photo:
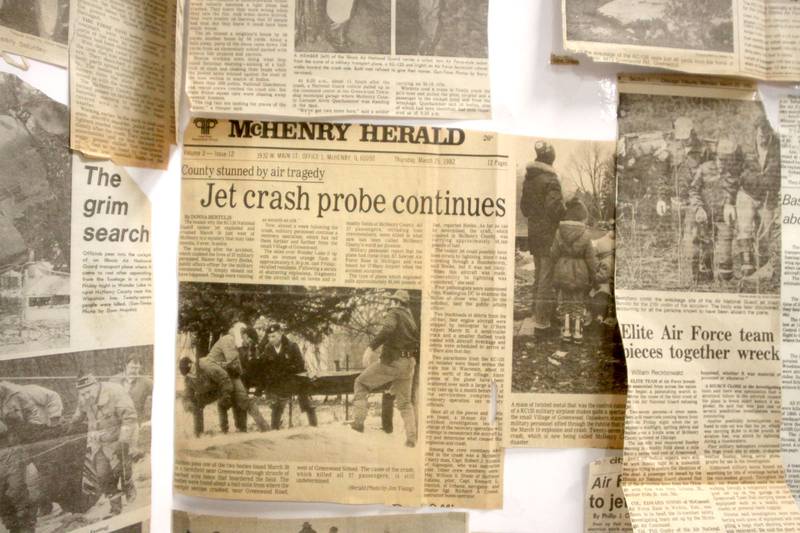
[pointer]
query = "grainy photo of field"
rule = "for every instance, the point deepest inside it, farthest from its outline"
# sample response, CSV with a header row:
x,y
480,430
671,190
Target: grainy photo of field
x,y
689,24
698,181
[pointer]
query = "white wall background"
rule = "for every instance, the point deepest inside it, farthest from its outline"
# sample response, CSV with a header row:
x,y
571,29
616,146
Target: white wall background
x,y
543,488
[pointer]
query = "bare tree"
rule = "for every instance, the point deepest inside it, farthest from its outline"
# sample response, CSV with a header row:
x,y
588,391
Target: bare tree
x,y
591,167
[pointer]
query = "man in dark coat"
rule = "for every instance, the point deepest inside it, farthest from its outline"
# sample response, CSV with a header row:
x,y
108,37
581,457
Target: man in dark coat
x,y
284,361
543,205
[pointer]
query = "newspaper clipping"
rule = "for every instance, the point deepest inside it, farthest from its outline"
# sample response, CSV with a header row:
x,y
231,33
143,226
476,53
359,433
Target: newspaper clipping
x,y
36,29
122,75
605,507
751,38
350,270
567,371
313,58
183,522
790,294
697,287
75,328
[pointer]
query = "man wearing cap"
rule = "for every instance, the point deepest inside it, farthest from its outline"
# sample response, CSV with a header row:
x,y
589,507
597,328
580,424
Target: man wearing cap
x,y
284,362
542,204
758,221
111,418
204,384
712,213
226,354
399,340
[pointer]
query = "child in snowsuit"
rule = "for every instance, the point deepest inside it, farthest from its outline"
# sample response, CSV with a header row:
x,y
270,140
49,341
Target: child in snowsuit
x,y
575,268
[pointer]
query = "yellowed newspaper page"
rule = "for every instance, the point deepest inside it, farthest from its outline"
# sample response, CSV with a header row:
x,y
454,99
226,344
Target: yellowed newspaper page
x,y
307,58
698,285
77,331
36,28
567,375
348,284
180,28
122,73
184,522
605,507
790,296
750,38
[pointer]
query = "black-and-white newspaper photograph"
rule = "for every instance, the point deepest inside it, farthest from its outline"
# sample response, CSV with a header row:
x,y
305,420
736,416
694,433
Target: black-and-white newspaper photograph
x,y
698,203
183,522
447,28
343,26
279,373
685,24
47,19
74,438
35,213
566,336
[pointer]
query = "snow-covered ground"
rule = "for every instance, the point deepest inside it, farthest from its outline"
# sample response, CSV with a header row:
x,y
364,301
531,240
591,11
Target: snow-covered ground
x,y
333,441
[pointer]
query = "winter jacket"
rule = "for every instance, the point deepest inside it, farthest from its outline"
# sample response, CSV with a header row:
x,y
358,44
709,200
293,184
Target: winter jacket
x,y
714,187
574,258
208,382
140,389
282,366
17,407
226,354
48,401
398,335
542,204
112,420
681,162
